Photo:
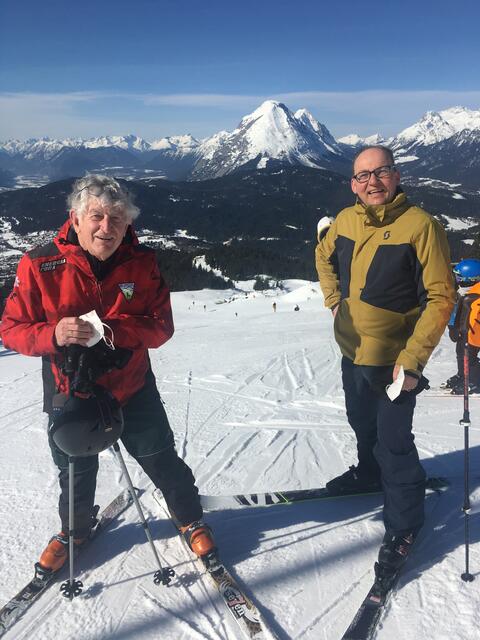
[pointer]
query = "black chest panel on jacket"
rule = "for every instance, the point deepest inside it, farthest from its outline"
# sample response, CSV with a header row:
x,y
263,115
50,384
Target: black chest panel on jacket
x,y
341,259
394,279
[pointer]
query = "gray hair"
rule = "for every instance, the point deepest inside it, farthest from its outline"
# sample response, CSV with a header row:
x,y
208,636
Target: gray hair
x,y
106,189
380,147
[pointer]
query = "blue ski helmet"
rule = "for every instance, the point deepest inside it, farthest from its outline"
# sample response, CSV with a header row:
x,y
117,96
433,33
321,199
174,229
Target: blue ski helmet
x,y
467,272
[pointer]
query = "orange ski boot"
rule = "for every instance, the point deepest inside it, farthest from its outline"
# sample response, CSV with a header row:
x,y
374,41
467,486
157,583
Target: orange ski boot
x,y
199,538
55,553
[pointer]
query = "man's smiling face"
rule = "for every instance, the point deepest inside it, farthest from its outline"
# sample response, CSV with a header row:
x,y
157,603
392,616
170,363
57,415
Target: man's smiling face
x,y
100,229
375,191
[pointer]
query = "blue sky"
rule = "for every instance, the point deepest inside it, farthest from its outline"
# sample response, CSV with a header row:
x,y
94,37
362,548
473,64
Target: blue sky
x,y
161,67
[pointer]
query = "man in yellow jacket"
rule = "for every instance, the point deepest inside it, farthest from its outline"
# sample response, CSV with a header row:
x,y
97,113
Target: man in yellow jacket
x,y
384,269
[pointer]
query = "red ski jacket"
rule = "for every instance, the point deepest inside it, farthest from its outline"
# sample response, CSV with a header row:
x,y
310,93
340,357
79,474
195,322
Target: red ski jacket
x,y
56,281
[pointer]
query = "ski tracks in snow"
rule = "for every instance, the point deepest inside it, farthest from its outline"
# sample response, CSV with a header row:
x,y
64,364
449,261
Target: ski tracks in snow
x,y
290,392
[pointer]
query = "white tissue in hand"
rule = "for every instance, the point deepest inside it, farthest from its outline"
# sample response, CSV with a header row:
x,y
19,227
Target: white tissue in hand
x,y
394,389
98,330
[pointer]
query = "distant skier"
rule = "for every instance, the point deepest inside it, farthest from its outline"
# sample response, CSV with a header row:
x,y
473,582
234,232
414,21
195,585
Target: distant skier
x,y
96,263
296,308
274,307
384,268
467,276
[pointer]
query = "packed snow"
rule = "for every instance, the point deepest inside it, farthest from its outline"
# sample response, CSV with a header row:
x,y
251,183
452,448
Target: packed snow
x,y
254,397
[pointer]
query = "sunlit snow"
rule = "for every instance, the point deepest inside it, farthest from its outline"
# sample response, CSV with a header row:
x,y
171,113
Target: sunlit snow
x,y
255,400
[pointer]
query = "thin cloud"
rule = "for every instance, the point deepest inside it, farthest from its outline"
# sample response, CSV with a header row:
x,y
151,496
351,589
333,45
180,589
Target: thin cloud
x,y
87,113
199,100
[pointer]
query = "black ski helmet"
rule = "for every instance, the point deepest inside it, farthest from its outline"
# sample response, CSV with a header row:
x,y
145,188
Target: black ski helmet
x,y
86,426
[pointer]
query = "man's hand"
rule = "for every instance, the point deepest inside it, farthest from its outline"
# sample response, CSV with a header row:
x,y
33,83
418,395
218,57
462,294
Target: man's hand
x,y
334,310
73,331
409,383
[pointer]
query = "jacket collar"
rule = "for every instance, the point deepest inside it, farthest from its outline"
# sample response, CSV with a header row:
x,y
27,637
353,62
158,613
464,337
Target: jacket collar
x,y
67,241
381,215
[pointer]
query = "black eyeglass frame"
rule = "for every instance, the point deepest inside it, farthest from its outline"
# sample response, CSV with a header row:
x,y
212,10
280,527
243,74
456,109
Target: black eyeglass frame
x,y
386,169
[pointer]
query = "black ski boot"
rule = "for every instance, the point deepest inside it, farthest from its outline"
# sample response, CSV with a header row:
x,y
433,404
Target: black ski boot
x,y
394,552
473,388
453,381
354,481
392,556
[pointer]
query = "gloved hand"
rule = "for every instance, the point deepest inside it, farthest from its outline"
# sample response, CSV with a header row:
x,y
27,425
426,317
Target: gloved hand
x,y
109,358
84,365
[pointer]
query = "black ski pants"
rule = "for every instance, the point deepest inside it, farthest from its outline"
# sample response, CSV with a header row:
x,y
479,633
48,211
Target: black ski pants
x,y
385,443
147,436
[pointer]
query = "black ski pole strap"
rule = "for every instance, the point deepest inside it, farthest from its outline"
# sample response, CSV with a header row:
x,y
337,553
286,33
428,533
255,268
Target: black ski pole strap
x,y
464,314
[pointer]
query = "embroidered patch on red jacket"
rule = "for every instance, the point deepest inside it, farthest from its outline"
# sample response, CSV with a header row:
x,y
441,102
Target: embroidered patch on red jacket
x,y
51,265
127,289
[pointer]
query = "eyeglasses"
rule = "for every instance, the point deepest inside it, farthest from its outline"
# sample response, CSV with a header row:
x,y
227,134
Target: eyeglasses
x,y
98,189
381,172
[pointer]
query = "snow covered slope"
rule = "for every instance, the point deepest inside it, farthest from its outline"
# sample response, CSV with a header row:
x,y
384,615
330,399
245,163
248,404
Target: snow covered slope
x,y
255,401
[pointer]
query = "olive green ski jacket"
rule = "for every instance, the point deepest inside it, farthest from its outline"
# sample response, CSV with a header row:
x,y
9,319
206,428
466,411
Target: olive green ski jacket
x,y
388,269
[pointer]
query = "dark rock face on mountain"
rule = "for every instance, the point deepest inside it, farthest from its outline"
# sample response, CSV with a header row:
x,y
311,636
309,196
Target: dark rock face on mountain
x,y
455,160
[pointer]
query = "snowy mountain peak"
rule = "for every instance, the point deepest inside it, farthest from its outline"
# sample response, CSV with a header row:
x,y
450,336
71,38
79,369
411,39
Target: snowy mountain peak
x,y
431,128
271,132
461,118
437,126
174,143
266,108
354,140
305,117
129,142
271,114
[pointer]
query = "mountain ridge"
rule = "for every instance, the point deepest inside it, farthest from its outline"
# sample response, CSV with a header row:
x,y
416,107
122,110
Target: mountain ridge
x,y
271,133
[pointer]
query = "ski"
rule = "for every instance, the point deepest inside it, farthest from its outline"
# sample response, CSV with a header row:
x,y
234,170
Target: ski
x,y
218,503
31,592
239,605
365,621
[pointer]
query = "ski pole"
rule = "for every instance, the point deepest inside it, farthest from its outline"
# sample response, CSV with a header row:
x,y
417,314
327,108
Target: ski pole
x,y
465,422
164,574
71,588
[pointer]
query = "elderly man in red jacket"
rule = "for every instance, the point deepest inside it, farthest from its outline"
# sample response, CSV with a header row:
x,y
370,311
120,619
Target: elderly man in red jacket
x,y
96,264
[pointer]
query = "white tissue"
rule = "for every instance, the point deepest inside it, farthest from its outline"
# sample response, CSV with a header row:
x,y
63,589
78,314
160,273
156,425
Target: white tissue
x,y
98,330
393,390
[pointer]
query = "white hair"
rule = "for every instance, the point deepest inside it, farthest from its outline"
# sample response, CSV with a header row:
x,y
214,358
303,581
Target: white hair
x,y
106,189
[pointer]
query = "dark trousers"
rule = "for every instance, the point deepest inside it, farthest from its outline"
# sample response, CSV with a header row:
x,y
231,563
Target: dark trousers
x,y
147,436
385,443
